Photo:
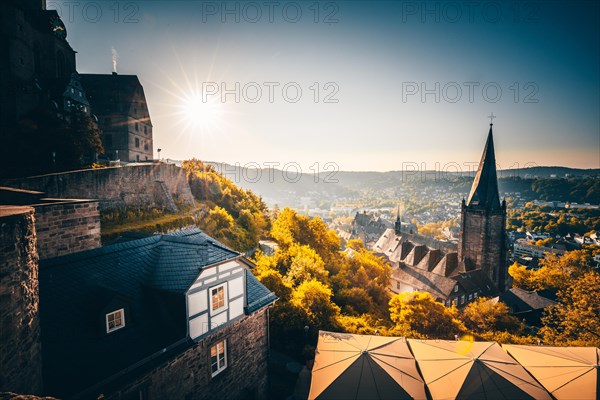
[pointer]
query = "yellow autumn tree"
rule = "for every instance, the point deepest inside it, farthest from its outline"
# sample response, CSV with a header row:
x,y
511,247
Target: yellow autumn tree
x,y
417,314
486,315
305,265
574,319
315,299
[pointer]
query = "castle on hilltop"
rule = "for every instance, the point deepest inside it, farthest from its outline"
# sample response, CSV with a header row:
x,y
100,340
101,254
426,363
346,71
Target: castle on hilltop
x,y
450,273
43,95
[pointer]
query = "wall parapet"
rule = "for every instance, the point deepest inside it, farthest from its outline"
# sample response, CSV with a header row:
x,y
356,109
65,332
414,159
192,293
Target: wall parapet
x,y
117,188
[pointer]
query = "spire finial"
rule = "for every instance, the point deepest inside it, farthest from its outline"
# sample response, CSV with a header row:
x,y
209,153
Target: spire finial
x,y
491,117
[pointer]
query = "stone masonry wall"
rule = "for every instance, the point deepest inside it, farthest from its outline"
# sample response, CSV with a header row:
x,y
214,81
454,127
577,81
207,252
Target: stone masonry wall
x,y
117,188
483,243
64,228
188,376
20,345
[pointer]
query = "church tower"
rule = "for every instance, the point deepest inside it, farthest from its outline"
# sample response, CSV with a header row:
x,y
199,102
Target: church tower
x,y
398,223
482,240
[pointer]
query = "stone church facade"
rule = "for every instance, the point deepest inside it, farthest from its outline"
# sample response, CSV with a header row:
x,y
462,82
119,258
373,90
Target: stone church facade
x,y
456,274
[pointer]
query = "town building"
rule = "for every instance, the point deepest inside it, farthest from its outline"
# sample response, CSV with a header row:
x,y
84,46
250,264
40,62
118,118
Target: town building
x,y
38,57
522,248
526,305
119,104
368,227
456,273
153,316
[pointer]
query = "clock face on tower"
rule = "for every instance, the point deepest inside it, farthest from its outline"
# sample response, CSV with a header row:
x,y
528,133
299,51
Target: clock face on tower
x,y
58,27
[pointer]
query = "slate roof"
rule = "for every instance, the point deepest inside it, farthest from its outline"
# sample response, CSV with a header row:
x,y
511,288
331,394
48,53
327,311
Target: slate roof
x,y
439,286
148,277
484,192
258,295
522,301
106,91
432,266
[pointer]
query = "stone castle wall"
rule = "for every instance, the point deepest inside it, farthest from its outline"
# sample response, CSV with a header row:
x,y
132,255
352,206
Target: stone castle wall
x,y
20,345
64,228
188,376
117,188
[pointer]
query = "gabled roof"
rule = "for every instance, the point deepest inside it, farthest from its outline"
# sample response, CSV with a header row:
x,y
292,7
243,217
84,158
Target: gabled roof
x,y
106,91
477,280
447,265
439,286
258,295
520,300
484,192
166,262
149,278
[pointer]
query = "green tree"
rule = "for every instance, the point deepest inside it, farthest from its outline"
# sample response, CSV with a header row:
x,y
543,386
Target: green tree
x,y
244,220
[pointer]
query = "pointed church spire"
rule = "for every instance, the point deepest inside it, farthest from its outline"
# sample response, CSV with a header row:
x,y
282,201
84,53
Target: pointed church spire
x,y
484,192
398,223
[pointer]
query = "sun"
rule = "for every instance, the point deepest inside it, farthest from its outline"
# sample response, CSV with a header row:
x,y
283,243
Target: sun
x,y
201,113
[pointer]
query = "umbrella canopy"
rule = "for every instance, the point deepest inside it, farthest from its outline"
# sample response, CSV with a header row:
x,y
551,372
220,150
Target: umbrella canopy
x,y
566,372
364,367
480,370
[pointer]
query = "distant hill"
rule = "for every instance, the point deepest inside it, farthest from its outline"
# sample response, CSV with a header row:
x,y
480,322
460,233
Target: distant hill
x,y
289,188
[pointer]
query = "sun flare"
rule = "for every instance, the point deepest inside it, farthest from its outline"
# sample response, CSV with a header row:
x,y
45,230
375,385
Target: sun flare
x,y
201,113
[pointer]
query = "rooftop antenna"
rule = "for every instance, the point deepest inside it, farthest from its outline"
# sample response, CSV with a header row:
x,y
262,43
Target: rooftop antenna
x,y
491,117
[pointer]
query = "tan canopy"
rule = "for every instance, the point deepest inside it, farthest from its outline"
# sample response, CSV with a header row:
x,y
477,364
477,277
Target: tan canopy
x,y
364,367
566,372
466,369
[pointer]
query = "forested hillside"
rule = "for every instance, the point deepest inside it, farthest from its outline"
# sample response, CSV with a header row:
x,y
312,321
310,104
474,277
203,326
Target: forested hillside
x,y
235,216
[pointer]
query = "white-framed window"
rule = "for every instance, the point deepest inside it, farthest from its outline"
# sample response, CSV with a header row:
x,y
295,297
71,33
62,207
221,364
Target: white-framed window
x,y
218,357
470,297
455,288
115,320
462,299
218,298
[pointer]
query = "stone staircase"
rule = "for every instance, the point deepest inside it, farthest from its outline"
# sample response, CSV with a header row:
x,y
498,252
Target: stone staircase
x,y
169,203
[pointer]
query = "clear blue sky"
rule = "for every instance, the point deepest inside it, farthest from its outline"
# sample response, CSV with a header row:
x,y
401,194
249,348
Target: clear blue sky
x,y
375,58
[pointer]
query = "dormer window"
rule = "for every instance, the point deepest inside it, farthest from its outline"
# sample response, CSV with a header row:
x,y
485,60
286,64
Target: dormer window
x,y
115,320
218,298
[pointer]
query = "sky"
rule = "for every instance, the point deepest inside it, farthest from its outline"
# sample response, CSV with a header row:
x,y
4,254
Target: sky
x,y
352,85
